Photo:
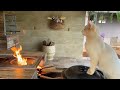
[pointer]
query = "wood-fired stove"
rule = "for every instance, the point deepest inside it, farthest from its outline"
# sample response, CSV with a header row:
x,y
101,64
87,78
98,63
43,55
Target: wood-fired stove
x,y
11,62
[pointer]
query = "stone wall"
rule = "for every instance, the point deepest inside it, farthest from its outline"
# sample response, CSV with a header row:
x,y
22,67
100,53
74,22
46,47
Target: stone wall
x,y
33,26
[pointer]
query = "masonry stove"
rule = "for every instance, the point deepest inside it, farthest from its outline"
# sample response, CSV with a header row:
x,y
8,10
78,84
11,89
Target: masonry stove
x,y
11,62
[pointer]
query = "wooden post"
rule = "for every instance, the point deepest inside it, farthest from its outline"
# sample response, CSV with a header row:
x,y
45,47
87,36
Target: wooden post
x,y
95,17
84,39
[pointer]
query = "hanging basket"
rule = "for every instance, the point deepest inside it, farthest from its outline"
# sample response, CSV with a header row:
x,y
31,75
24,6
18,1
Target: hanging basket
x,y
56,26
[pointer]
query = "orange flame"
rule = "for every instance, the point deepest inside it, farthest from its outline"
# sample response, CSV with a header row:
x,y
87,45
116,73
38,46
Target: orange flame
x,y
38,67
20,59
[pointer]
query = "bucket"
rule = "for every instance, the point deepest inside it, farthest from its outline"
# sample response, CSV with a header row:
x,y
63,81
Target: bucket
x,y
50,51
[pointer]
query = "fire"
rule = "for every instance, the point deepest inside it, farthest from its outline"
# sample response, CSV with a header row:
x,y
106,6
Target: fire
x,y
20,59
38,67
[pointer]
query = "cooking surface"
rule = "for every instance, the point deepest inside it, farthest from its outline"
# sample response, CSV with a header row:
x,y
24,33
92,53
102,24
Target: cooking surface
x,y
17,73
10,61
13,71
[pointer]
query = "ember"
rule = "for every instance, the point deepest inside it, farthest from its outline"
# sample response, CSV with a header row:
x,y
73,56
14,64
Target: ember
x,y
30,61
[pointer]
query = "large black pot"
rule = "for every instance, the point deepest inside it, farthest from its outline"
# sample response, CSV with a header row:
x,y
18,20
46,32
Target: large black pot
x,y
79,72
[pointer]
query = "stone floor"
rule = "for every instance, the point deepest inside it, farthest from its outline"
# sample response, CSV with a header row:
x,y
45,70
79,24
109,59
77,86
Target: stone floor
x,y
66,62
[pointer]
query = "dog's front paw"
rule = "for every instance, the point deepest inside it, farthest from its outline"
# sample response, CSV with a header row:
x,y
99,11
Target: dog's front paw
x,y
90,72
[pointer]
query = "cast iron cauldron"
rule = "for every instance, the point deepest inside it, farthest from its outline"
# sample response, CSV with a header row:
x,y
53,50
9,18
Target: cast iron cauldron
x,y
79,72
